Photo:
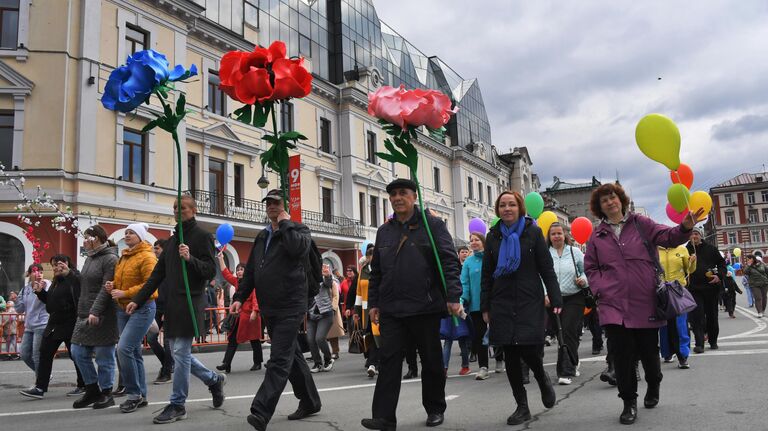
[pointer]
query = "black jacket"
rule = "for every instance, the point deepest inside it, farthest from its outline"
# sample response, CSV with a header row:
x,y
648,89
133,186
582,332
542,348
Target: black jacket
x,y
405,280
61,304
707,258
516,301
278,274
200,268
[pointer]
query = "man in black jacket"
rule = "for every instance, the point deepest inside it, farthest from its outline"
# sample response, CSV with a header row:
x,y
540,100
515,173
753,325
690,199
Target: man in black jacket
x,y
198,253
406,296
705,285
276,269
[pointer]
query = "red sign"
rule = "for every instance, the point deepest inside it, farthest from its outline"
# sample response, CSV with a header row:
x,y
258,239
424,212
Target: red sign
x,y
294,187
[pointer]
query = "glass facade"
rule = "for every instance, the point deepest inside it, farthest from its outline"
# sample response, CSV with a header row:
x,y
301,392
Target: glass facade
x,y
341,36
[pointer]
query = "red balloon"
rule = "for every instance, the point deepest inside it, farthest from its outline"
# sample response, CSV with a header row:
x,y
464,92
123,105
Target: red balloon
x,y
581,229
675,216
683,175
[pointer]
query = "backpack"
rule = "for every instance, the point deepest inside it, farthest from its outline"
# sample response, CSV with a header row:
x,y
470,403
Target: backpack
x,y
314,270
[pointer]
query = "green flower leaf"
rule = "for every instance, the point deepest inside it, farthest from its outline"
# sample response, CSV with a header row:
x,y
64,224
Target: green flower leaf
x,y
181,104
151,125
244,114
260,115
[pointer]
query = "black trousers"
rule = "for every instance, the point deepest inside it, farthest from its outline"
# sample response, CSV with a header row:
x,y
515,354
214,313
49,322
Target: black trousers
x,y
410,356
704,317
162,351
480,327
626,345
286,363
48,348
729,300
572,319
232,344
593,323
514,356
424,330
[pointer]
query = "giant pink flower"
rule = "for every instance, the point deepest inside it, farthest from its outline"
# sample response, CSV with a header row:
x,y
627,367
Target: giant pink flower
x,y
415,108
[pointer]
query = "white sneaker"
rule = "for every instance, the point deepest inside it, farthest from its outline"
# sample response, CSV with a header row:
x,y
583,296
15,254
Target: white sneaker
x,y
564,381
500,367
372,371
482,374
328,366
578,365
760,315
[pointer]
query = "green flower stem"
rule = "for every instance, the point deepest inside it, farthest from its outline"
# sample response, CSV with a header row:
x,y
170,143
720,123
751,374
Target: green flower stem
x,y
432,241
283,174
181,235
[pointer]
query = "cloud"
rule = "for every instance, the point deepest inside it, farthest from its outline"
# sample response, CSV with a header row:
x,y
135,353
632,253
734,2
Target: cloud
x,y
746,125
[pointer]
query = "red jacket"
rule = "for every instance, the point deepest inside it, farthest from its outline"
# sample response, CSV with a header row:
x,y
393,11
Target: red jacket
x,y
247,329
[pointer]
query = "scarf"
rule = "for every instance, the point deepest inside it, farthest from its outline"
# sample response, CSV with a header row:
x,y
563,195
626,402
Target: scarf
x,y
509,250
97,250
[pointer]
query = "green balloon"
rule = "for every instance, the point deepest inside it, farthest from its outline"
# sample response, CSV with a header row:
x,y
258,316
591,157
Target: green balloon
x,y
494,221
534,204
678,197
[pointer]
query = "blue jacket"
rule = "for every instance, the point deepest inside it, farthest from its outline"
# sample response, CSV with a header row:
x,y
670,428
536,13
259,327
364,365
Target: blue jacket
x,y
470,282
36,317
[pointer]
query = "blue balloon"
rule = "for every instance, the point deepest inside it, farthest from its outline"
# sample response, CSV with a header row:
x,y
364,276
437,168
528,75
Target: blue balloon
x,y
737,266
225,233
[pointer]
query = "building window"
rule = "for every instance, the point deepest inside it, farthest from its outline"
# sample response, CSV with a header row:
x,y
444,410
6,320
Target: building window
x,y
750,197
764,196
327,205
480,192
238,185
305,46
755,235
136,39
226,13
325,135
216,185
374,211
6,139
436,176
134,156
490,199
765,215
192,171
470,189
371,141
361,203
9,24
729,218
728,199
753,217
251,13
731,237
217,100
286,117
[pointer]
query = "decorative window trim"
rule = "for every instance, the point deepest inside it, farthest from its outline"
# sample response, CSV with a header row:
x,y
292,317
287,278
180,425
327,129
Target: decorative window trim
x,y
21,53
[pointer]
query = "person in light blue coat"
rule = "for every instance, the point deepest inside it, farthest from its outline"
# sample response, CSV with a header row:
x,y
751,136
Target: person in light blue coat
x,y
35,316
470,282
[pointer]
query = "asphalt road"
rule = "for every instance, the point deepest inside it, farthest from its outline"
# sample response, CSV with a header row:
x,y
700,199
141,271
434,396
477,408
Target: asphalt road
x,y
723,390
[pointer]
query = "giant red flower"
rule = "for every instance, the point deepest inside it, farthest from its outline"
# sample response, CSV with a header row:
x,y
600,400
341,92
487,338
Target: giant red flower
x,y
291,79
415,108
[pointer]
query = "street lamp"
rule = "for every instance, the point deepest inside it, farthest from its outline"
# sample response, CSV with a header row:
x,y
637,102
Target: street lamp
x,y
263,181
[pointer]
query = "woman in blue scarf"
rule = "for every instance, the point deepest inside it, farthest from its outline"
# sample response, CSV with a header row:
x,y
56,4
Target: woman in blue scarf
x,y
516,260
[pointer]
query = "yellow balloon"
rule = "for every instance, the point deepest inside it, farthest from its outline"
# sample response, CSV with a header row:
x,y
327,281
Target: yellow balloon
x,y
701,200
545,220
659,139
737,252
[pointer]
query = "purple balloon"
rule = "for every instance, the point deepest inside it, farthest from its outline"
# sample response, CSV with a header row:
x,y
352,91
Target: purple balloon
x,y
478,225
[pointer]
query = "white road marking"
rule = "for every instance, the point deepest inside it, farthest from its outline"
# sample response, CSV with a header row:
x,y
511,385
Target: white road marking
x,y
451,397
743,343
761,325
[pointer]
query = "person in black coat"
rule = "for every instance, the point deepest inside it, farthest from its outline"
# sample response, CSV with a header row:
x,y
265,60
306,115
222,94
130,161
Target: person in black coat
x,y
407,298
706,284
61,304
515,262
198,253
277,270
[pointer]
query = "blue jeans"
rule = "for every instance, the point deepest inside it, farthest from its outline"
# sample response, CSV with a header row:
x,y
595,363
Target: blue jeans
x,y
30,347
185,364
132,330
105,359
448,344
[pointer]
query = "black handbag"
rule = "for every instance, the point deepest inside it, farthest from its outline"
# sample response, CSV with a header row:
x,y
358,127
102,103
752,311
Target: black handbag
x,y
356,340
229,323
566,359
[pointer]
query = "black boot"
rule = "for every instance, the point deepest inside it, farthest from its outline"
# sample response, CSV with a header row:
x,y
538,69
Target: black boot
x,y
548,396
629,414
105,400
522,413
609,375
92,394
227,368
651,399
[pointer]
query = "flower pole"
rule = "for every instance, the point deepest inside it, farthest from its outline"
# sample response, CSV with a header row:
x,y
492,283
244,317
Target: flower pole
x,y
260,80
146,73
401,112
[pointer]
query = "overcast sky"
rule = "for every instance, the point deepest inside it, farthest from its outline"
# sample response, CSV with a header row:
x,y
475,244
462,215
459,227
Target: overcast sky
x,y
570,80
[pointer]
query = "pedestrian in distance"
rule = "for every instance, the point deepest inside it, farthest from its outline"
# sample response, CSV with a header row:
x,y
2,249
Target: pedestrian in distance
x,y
198,252
757,274
731,289
706,285
162,351
35,316
620,266
407,298
471,287
675,338
278,270
320,320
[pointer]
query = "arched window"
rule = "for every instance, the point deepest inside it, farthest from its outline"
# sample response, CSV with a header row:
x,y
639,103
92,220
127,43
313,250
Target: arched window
x,y
11,264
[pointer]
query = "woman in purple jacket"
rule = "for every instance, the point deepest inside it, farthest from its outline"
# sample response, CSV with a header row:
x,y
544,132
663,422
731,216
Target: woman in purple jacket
x,y
621,273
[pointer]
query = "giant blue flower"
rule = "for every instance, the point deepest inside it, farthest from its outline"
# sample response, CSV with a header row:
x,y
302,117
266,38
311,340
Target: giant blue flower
x,y
131,85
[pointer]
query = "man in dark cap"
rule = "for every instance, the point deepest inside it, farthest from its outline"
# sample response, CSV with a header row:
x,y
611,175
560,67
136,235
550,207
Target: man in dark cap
x,y
407,298
276,269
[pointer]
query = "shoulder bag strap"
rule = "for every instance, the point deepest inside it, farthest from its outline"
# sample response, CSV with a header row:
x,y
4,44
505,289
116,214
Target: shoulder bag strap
x,y
573,258
654,256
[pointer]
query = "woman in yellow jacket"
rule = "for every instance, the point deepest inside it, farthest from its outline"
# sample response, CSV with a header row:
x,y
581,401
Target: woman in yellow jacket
x,y
132,271
674,338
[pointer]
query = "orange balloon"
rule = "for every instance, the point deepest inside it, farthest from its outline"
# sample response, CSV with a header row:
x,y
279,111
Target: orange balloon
x,y
683,175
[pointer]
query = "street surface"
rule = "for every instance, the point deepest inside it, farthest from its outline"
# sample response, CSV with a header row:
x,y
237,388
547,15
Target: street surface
x,y
723,390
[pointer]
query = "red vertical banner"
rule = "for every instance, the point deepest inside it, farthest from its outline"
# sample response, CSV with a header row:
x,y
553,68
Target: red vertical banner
x,y
294,187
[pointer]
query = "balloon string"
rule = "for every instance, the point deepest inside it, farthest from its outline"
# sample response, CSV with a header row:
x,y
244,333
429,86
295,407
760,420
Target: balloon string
x,y
680,181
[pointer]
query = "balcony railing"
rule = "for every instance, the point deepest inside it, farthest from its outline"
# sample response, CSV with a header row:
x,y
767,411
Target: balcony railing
x,y
220,205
